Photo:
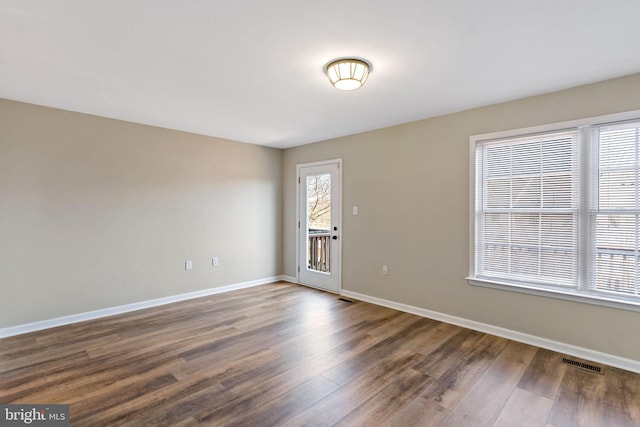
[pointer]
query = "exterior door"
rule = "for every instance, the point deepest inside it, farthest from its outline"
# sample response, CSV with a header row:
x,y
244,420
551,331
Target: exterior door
x,y
319,225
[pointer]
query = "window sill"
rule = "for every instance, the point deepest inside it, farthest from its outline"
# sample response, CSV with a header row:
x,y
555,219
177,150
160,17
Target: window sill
x,y
567,295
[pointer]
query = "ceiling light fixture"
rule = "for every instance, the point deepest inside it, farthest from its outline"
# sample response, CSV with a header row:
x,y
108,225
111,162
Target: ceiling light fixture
x,y
347,73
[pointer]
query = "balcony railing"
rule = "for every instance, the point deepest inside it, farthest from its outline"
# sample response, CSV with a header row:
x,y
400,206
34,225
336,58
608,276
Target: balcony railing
x,y
319,251
617,270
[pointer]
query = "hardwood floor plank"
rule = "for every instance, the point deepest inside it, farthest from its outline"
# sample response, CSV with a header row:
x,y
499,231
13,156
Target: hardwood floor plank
x,y
420,412
438,361
578,387
395,321
96,376
18,383
431,338
39,354
355,366
424,334
518,352
115,394
588,399
451,387
269,409
544,374
623,395
196,390
525,409
377,409
168,406
482,405
347,398
302,370
283,354
326,339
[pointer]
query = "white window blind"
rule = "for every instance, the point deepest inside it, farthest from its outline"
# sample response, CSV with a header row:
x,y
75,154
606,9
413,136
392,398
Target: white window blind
x,y
527,209
615,210
557,212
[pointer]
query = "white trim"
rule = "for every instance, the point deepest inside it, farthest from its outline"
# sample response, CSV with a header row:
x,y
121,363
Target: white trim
x,y
319,288
560,347
111,311
320,163
472,206
290,279
566,295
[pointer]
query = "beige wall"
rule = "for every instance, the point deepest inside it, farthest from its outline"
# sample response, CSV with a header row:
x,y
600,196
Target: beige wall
x,y
411,185
96,213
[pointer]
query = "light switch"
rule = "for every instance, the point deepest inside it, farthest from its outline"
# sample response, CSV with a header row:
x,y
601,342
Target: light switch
x,y
355,210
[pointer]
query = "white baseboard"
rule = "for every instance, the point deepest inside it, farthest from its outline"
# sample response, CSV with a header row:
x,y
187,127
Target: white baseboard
x,y
96,314
560,347
290,279
585,353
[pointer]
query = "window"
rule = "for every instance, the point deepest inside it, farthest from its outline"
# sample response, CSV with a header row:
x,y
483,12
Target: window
x,y
556,212
615,211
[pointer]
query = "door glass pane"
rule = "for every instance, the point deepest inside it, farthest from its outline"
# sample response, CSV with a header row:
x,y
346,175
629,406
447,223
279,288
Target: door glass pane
x,y
319,222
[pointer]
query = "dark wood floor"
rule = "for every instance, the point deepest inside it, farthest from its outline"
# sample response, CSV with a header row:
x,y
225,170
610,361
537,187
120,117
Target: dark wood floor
x,y
283,354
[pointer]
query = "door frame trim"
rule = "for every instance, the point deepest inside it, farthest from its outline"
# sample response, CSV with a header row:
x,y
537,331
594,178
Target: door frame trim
x,y
298,219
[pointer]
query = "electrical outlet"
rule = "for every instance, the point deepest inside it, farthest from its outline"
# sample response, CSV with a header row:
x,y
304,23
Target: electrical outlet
x,y
215,261
385,269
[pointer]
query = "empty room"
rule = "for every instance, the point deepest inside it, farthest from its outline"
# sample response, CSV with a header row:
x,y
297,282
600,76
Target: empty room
x,y
286,213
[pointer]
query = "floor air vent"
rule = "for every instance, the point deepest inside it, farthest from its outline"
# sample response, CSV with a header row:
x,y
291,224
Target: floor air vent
x,y
344,299
586,366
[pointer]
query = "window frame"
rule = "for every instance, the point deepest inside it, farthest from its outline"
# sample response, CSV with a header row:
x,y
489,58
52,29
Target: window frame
x,y
582,292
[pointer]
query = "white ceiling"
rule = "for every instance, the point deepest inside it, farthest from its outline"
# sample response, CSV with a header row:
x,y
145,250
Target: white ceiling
x,y
251,70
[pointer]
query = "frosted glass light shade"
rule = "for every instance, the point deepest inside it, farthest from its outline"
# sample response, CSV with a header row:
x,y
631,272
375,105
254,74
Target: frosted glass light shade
x,y
347,74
